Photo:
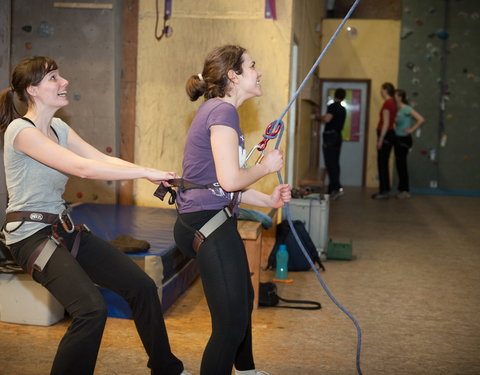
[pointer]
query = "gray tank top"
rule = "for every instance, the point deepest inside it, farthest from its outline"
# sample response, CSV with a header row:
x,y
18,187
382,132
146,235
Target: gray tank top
x,y
31,185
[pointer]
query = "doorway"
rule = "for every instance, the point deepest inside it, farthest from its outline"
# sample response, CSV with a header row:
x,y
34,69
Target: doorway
x,y
356,102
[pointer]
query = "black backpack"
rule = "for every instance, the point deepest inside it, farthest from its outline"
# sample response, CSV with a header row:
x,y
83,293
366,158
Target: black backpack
x,y
296,259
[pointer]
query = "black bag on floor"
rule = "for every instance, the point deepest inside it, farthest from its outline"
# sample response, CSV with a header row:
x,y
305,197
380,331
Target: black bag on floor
x,y
268,297
296,258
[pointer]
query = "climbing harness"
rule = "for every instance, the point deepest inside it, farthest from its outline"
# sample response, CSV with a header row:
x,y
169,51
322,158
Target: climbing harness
x,y
43,252
211,225
278,126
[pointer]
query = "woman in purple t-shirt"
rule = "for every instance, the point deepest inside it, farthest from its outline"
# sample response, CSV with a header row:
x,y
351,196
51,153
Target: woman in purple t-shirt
x,y
213,156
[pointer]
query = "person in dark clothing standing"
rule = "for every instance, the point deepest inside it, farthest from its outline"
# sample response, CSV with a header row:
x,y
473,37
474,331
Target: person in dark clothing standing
x,y
385,140
332,142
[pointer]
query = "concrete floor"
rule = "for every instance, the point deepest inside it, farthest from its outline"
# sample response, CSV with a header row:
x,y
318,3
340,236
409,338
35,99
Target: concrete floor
x,y
414,288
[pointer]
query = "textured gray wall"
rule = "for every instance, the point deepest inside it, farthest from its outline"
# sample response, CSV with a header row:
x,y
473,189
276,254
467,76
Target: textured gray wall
x,y
440,70
84,43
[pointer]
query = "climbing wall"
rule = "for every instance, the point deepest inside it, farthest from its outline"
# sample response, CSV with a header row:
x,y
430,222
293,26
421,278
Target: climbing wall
x,y
440,70
82,38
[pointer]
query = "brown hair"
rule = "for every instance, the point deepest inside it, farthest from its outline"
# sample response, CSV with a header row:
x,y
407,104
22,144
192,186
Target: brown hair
x,y
389,88
29,72
213,82
402,94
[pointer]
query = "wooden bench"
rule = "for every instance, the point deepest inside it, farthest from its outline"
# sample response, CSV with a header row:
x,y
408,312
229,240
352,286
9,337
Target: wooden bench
x,y
258,244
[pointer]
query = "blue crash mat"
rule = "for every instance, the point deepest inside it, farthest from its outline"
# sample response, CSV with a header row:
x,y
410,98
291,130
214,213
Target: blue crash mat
x,y
151,224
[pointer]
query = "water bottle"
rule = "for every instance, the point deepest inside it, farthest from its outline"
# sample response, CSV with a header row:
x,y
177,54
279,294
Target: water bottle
x,y
282,263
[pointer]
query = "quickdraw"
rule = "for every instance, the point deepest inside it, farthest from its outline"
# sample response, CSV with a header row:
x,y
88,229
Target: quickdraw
x,y
272,131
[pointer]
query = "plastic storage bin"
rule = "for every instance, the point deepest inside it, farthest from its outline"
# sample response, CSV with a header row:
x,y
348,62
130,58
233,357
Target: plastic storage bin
x,y
313,211
24,301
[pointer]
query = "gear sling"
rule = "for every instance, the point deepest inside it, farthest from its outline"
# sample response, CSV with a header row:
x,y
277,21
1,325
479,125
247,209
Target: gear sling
x,y
43,252
210,226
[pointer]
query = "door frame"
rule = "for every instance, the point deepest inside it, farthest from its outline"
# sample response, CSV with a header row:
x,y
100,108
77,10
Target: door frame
x,y
368,83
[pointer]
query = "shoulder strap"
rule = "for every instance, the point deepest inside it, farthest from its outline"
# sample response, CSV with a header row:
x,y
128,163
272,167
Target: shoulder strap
x,y
28,120
31,122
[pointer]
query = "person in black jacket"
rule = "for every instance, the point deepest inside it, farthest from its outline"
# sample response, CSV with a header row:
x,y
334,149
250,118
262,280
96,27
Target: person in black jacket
x,y
332,142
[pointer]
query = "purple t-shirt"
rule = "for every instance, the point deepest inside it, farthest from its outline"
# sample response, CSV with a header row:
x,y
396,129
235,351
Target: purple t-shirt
x,y
198,163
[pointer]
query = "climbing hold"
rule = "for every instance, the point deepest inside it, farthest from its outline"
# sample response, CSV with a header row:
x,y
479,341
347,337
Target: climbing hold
x,y
27,28
406,32
442,34
443,140
45,30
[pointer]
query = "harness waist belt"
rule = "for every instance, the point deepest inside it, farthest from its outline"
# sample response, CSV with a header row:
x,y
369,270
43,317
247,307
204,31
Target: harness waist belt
x,y
180,183
40,217
35,216
211,225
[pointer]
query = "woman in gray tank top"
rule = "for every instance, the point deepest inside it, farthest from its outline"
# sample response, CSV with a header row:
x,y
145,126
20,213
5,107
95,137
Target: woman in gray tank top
x,y
40,151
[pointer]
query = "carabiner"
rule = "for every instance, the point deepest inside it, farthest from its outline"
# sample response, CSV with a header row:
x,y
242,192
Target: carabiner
x,y
66,224
256,147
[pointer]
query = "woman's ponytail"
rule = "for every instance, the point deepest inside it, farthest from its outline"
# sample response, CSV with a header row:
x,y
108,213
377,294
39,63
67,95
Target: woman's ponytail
x,y
8,112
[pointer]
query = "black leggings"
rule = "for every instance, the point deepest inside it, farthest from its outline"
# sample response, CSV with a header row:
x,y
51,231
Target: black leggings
x,y
72,282
332,144
225,274
383,159
402,147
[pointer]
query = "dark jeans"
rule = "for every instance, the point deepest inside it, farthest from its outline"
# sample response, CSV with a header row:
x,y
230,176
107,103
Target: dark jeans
x,y
402,147
383,157
225,274
332,145
72,282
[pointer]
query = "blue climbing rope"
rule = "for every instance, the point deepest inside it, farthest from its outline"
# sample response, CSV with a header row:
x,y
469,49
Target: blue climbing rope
x,y
279,123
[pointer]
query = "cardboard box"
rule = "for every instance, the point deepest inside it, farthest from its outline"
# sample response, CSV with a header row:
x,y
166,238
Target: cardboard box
x,y
24,301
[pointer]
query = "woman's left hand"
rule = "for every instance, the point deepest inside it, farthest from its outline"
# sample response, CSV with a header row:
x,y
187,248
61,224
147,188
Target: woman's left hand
x,y
280,195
